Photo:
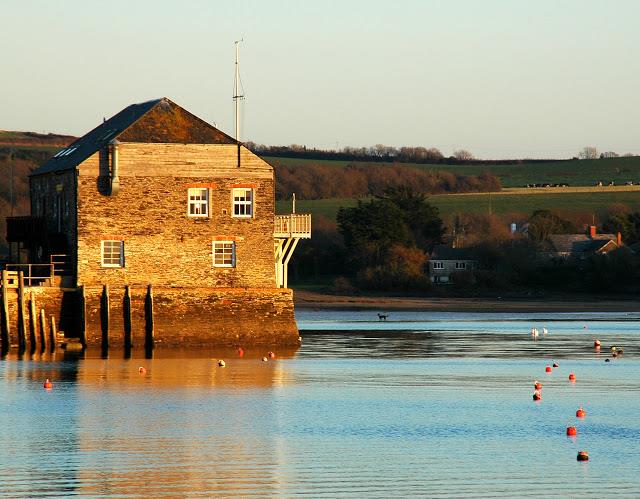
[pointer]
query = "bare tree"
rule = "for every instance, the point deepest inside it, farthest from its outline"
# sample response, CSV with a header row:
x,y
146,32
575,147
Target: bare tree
x,y
609,154
589,152
463,155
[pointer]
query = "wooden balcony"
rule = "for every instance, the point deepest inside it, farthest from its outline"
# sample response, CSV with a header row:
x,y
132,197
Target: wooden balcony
x,y
296,225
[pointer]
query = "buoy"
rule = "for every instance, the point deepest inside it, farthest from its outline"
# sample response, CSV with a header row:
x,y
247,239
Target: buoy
x,y
264,359
48,385
240,352
271,355
596,343
607,360
548,369
142,370
537,385
583,455
581,413
221,363
572,377
555,364
537,395
572,431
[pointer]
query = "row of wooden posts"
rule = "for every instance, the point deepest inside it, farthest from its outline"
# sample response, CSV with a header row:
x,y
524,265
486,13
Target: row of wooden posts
x,y
37,330
105,315
37,334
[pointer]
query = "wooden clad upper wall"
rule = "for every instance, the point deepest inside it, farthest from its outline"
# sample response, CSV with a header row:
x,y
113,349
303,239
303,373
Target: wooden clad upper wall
x,y
182,160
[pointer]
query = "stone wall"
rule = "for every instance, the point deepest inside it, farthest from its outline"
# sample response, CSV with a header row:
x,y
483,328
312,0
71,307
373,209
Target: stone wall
x,y
162,244
196,316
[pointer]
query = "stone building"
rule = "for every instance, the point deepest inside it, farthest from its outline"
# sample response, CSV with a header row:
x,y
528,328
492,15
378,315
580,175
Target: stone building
x,y
156,196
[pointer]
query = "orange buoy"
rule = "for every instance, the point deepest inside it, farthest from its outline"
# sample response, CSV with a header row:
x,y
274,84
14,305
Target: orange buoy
x,y
537,395
271,355
583,455
240,352
537,385
572,431
48,385
142,370
596,343
548,369
572,377
264,359
555,364
581,413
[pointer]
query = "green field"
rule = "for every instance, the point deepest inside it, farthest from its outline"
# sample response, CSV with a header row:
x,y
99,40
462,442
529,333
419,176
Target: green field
x,y
572,172
449,204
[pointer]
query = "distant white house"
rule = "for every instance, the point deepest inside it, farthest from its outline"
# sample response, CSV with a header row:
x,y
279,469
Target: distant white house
x,y
446,261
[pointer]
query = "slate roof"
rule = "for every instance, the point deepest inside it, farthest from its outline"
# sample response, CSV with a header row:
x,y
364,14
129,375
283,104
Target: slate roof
x,y
154,121
580,244
444,252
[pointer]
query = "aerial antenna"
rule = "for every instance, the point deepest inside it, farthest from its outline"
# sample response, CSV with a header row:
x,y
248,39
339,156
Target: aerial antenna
x,y
238,89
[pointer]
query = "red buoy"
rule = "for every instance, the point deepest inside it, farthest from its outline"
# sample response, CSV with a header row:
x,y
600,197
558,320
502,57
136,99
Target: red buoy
x,y
572,431
583,455
537,395
537,385
596,344
548,369
48,385
271,355
572,377
240,352
581,413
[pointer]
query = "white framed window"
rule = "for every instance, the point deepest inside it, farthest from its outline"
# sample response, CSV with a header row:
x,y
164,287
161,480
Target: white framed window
x,y
198,202
224,254
461,265
112,253
242,202
438,265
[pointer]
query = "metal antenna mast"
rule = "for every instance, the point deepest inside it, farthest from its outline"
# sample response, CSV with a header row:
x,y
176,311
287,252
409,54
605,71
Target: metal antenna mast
x,y
238,90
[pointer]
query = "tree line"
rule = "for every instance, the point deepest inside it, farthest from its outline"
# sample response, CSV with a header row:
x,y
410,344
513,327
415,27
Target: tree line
x,y
322,181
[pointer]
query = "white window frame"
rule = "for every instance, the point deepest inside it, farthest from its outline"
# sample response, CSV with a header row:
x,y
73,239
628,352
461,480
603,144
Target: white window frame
x,y
220,246
197,203
241,203
461,265
438,265
110,263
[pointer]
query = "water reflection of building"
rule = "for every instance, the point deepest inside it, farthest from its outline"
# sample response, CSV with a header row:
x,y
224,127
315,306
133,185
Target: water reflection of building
x,y
186,426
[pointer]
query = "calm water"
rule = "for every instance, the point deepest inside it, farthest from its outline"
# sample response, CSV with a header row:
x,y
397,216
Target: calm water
x,y
425,404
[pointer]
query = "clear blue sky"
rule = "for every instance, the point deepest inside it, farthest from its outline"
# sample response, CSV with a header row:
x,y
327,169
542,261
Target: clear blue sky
x,y
501,78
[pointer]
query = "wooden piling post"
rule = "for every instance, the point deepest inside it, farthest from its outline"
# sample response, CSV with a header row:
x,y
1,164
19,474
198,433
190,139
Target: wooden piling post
x,y
83,317
149,339
22,326
4,314
104,316
53,333
43,331
126,309
33,322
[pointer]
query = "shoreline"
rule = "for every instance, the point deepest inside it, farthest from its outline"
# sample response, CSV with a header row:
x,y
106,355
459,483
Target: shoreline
x,y
318,301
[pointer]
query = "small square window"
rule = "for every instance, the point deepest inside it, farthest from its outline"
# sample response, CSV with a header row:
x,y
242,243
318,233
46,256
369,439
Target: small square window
x,y
461,265
438,265
112,253
224,254
242,202
198,202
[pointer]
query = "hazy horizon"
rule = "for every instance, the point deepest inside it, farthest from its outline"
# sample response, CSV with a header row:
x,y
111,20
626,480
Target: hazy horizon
x,y
502,79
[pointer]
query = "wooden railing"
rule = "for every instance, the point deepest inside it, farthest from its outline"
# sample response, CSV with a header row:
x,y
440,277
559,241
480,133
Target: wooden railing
x,y
35,274
294,225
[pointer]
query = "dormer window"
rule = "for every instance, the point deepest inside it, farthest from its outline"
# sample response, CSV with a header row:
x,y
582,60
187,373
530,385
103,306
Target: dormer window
x,y
198,199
